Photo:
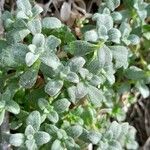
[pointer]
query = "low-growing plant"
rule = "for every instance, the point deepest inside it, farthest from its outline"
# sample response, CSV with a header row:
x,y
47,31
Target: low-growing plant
x,y
63,93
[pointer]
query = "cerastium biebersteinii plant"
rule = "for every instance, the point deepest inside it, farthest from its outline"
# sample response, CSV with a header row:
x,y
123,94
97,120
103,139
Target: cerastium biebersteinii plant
x,y
62,93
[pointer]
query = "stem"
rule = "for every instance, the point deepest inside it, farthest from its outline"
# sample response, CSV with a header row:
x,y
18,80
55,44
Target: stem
x,y
4,131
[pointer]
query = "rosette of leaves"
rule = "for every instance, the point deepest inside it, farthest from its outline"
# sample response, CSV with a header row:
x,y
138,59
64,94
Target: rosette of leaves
x,y
32,138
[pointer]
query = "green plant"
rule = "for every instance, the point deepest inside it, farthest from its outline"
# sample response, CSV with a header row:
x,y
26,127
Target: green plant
x,y
66,91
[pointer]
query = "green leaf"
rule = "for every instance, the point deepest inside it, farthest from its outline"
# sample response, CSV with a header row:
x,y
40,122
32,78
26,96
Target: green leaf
x,y
24,5
13,107
43,103
72,77
31,58
114,35
34,119
35,26
61,105
120,54
76,63
103,19
29,77
104,57
36,10
95,95
112,4
51,23
50,59
94,137
116,129
102,33
115,145
53,87
13,56
52,42
29,130
30,144
38,40
41,138
56,145
74,131
80,48
53,116
135,73
17,139
91,36
144,90
2,115
17,35
71,94
134,39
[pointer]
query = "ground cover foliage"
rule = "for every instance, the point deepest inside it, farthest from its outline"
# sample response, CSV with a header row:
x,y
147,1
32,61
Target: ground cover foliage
x,y
66,92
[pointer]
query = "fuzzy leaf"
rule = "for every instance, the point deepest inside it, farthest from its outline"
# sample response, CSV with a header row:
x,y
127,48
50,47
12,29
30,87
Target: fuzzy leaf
x,y
80,48
95,96
34,119
35,26
112,4
56,145
38,40
53,116
102,33
91,36
17,139
72,77
42,103
12,106
41,138
114,35
24,5
61,105
53,87
36,10
120,54
76,63
51,23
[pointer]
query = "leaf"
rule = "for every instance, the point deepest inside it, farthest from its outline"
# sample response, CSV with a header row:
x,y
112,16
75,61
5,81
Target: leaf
x,y
51,23
43,103
61,105
17,139
74,131
29,77
103,19
56,145
144,90
120,54
114,35
104,57
53,116
80,48
16,35
102,32
76,63
34,119
30,144
116,129
117,16
53,87
94,137
112,4
134,73
52,42
72,77
38,40
13,56
41,138
115,145
24,5
2,115
31,58
35,26
134,39
71,94
95,96
36,10
29,130
91,36
13,107
50,59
